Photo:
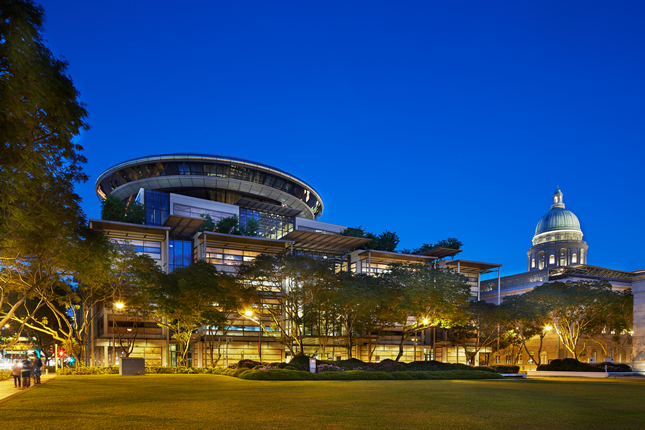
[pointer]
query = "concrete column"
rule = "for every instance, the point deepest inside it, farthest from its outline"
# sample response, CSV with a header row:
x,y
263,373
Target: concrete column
x,y
638,289
499,286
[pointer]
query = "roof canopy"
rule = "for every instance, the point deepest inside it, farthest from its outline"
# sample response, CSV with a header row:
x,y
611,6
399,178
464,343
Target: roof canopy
x,y
134,230
244,243
586,270
466,266
392,257
442,252
309,241
183,226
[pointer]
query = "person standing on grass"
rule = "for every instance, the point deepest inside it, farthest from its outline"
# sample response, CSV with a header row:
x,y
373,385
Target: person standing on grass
x,y
16,373
36,367
26,373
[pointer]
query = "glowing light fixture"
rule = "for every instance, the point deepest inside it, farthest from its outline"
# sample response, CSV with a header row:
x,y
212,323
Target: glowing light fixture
x,y
248,313
548,328
425,321
119,305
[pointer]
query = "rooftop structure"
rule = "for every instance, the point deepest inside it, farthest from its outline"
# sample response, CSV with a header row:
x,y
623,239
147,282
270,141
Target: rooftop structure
x,y
212,177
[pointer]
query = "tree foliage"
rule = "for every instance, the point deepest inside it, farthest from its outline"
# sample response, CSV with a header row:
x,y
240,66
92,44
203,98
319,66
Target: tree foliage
x,y
523,319
479,333
191,297
386,241
231,225
425,296
293,284
115,209
575,308
39,117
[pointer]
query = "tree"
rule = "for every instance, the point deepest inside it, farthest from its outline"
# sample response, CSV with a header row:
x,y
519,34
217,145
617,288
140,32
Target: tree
x,y
479,333
292,284
231,225
614,327
524,319
450,243
115,209
574,308
129,276
425,297
189,298
74,292
39,116
386,241
355,296
208,225
379,318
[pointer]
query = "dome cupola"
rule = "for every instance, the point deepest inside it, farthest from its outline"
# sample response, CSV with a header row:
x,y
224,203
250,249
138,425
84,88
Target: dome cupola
x,y
558,238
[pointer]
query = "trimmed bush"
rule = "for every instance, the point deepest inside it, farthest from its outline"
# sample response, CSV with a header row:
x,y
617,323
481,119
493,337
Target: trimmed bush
x,y
300,362
498,369
573,365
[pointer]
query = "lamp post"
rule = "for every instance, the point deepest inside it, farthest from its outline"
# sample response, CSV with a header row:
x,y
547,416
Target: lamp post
x,y
118,305
249,315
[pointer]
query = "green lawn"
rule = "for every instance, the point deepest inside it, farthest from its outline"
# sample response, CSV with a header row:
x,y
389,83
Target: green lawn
x,y
221,402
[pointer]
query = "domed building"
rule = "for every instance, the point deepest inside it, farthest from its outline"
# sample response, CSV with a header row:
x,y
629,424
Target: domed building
x,y
558,239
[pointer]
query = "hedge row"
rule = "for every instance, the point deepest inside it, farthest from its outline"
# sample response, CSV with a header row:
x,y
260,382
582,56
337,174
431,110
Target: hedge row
x,y
361,375
573,365
114,370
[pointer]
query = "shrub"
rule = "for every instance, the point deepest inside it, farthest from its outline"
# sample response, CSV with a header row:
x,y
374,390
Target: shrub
x,y
328,368
5,374
569,365
300,362
249,364
434,366
89,370
573,365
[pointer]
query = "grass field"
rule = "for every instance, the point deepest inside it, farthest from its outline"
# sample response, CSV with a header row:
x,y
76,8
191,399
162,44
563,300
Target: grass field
x,y
221,402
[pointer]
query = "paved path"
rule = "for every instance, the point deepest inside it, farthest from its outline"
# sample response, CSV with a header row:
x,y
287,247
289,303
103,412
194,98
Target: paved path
x,y
7,390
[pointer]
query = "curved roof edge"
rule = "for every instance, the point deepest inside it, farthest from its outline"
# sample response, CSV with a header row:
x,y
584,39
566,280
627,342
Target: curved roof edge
x,y
205,157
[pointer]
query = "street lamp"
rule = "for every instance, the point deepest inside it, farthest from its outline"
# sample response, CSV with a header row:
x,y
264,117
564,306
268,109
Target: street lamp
x,y
249,315
119,305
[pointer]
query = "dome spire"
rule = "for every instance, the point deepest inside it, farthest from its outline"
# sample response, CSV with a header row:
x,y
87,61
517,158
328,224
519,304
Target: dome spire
x,y
557,199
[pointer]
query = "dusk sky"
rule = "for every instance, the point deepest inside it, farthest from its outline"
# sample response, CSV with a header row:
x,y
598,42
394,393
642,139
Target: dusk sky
x,y
431,119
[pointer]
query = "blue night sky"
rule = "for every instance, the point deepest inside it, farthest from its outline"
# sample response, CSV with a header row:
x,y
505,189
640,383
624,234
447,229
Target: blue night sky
x,y
431,119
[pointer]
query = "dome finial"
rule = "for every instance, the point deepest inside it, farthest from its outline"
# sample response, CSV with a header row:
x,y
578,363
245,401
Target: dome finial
x,y
557,199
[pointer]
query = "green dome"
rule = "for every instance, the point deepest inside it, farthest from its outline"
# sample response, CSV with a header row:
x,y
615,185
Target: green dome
x,y
558,219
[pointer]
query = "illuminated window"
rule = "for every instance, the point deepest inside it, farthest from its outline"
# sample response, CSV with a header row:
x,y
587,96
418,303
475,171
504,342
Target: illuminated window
x,y
574,258
551,259
582,256
533,263
563,257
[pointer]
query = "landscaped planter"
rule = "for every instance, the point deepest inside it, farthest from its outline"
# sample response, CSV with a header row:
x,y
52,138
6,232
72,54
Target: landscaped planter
x,y
544,373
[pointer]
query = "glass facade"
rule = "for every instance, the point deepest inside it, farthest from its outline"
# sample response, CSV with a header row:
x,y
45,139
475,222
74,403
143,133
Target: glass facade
x,y
157,207
180,254
203,168
150,248
194,212
272,226
229,257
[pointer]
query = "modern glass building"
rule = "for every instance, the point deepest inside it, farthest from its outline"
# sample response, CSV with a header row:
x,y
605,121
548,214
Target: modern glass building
x,y
178,190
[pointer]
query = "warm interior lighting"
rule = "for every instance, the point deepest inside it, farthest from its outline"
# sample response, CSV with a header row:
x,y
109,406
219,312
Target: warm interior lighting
x,y
119,305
